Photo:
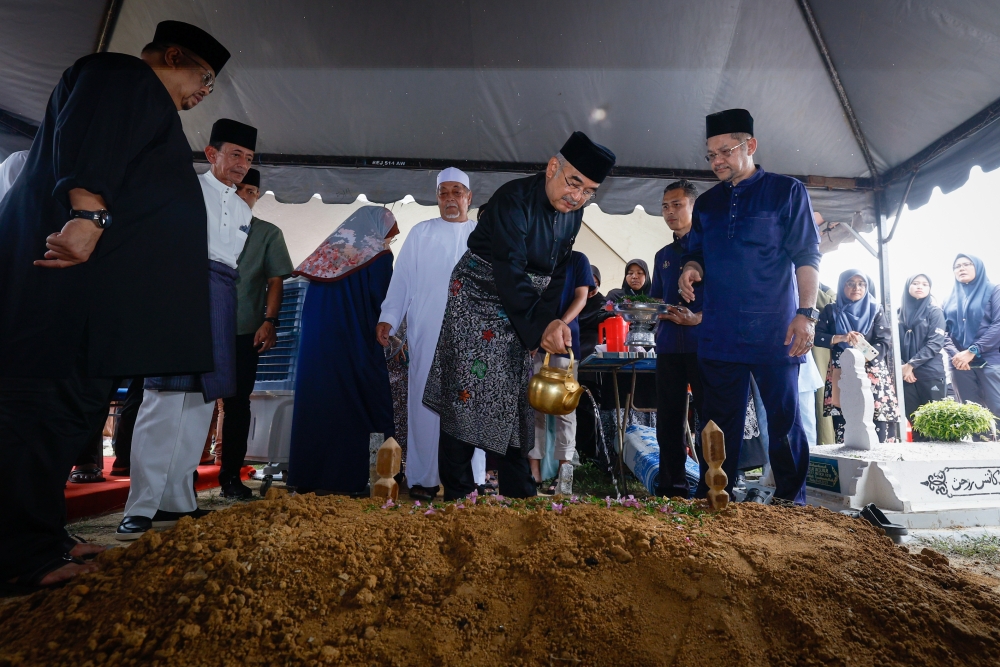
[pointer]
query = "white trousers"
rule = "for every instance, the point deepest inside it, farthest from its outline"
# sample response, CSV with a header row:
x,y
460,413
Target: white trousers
x,y
167,443
423,434
565,445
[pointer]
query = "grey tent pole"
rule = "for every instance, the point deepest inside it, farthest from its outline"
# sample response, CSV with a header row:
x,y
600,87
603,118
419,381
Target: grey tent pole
x,y
111,12
890,314
902,202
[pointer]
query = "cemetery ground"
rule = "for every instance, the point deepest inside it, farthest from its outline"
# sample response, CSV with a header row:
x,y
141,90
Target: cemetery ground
x,y
329,580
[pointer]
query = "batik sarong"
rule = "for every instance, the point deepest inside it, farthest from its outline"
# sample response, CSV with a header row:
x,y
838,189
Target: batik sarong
x,y
478,381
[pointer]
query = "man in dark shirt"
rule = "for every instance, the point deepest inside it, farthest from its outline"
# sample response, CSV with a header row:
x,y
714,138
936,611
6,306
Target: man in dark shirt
x,y
755,245
111,158
502,304
676,343
263,266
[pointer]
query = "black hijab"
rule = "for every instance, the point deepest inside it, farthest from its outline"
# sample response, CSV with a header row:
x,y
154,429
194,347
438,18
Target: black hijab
x,y
626,289
913,314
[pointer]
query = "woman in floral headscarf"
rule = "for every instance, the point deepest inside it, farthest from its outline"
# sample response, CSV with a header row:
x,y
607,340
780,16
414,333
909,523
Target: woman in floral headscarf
x,y
342,385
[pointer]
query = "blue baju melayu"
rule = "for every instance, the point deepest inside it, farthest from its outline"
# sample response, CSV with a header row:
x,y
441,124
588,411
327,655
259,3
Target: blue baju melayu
x,y
750,238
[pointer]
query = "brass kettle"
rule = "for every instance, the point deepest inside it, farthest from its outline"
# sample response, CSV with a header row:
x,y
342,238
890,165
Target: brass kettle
x,y
553,390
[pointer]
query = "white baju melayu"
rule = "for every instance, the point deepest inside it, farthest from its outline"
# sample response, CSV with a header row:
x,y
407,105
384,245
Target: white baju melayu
x,y
171,426
418,291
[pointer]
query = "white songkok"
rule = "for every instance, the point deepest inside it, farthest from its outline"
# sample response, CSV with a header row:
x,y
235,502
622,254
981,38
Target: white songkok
x,y
452,174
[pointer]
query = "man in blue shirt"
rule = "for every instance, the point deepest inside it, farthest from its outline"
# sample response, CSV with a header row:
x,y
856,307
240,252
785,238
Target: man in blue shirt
x,y
676,343
755,246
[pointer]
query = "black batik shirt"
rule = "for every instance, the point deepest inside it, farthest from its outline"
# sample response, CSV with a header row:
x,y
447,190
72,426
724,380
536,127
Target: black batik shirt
x,y
520,233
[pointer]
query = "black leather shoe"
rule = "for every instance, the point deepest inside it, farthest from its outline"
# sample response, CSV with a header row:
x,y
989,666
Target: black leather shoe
x,y
234,488
164,519
133,527
423,493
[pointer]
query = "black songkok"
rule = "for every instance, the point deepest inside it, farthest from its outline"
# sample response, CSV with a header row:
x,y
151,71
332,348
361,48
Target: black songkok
x,y
252,178
194,39
592,160
234,132
596,271
728,122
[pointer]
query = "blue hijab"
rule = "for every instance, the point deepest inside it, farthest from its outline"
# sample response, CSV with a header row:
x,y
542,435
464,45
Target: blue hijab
x,y
854,315
966,305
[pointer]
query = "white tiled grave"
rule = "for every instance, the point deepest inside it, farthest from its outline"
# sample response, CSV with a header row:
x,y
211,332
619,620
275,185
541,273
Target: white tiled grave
x,y
922,485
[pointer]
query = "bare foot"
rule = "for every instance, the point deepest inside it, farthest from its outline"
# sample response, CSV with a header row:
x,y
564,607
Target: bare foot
x,y
86,549
66,572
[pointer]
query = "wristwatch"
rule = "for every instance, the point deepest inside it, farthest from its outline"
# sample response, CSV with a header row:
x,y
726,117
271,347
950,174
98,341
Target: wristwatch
x,y
809,313
974,349
273,320
101,218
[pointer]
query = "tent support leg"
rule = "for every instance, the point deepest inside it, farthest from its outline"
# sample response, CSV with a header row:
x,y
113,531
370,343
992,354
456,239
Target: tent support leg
x,y
896,364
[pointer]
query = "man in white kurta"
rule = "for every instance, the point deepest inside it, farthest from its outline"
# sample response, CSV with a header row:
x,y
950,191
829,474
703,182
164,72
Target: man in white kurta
x,y
171,426
418,291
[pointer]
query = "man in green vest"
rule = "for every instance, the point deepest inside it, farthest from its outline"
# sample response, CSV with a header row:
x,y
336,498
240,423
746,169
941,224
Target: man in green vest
x,y
263,265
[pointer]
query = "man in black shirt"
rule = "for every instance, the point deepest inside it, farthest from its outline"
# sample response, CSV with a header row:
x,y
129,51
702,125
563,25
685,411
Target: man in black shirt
x,y
503,302
104,228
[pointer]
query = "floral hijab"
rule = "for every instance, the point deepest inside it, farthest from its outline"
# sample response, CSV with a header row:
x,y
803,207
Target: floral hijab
x,y
357,241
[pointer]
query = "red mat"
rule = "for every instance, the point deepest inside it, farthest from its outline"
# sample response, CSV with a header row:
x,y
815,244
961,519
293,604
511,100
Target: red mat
x,y
83,500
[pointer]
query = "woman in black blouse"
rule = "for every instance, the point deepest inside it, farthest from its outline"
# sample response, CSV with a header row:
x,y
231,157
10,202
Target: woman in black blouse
x,y
853,317
921,337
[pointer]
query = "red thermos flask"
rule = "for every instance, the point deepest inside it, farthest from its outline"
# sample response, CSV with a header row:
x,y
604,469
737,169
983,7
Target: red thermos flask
x,y
612,332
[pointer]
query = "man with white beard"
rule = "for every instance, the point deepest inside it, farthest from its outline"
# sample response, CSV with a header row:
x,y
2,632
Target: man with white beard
x,y
419,292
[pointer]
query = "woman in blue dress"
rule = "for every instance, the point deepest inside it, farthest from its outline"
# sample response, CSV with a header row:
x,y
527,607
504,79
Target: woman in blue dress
x,y
342,390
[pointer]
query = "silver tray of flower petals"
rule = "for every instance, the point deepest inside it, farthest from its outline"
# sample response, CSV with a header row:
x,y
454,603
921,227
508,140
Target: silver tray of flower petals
x,y
642,318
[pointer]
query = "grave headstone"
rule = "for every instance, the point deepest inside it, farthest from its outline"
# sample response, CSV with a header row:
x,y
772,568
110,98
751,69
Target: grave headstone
x,y
387,465
856,401
713,449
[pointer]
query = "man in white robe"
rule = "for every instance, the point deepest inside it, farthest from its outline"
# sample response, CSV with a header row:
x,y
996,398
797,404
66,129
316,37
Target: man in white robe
x,y
418,291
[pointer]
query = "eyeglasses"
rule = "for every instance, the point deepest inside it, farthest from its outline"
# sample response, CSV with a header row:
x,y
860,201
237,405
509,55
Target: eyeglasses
x,y
578,189
963,265
207,78
725,152
856,285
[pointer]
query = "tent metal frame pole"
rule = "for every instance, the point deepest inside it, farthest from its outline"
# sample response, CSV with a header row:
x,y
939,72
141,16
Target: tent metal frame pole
x,y
111,12
831,70
899,209
890,315
861,239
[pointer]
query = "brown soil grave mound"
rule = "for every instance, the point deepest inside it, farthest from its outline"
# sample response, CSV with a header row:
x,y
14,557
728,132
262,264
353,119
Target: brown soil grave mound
x,y
317,580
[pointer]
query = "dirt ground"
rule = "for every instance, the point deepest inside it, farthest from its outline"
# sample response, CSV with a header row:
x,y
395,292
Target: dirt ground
x,y
308,580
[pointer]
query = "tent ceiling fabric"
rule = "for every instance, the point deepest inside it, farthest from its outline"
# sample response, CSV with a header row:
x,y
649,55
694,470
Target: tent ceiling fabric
x,y
38,41
507,82
493,82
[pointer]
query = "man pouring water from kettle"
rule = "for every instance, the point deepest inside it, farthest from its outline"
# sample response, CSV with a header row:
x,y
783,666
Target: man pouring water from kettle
x,y
503,298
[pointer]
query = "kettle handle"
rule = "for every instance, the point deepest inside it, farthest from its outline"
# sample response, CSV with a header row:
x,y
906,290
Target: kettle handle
x,y
570,369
